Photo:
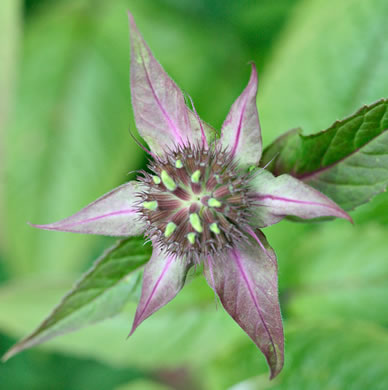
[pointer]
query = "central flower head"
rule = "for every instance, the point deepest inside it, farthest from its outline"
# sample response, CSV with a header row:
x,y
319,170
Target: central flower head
x,y
195,202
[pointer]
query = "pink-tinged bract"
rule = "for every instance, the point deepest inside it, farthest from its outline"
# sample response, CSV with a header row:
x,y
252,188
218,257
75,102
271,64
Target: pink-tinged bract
x,y
245,279
164,276
158,103
113,214
201,201
278,197
241,130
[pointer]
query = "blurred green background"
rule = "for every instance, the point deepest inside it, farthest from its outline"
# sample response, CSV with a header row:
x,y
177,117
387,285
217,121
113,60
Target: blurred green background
x,y
64,118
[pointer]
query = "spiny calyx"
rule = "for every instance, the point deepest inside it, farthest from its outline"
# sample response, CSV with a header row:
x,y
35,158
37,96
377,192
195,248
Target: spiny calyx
x,y
195,202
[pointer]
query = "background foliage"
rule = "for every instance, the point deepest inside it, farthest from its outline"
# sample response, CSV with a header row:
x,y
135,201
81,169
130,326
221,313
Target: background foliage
x,y
64,117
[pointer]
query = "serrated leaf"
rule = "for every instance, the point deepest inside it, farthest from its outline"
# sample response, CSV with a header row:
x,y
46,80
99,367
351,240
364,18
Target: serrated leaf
x,y
101,293
348,162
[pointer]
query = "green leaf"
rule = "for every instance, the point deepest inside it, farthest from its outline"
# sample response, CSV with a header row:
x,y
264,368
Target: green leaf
x,y
326,356
101,293
374,212
189,330
342,272
347,162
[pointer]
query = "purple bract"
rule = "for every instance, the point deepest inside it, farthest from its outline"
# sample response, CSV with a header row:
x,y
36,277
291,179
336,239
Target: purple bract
x,y
203,200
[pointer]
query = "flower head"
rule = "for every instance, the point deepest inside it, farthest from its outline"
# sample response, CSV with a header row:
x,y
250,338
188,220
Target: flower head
x,y
196,202
203,199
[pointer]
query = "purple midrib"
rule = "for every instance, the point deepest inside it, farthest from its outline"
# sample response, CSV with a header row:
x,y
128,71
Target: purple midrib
x,y
165,268
113,213
273,197
237,141
253,297
165,114
334,207
257,239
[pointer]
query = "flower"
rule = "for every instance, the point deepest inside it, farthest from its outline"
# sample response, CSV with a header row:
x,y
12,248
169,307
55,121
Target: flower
x,y
204,199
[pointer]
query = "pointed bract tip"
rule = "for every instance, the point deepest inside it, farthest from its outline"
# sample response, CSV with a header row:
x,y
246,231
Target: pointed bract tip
x,y
135,324
343,214
10,353
274,371
132,23
254,76
253,66
130,17
131,332
348,217
44,227
275,365
133,29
